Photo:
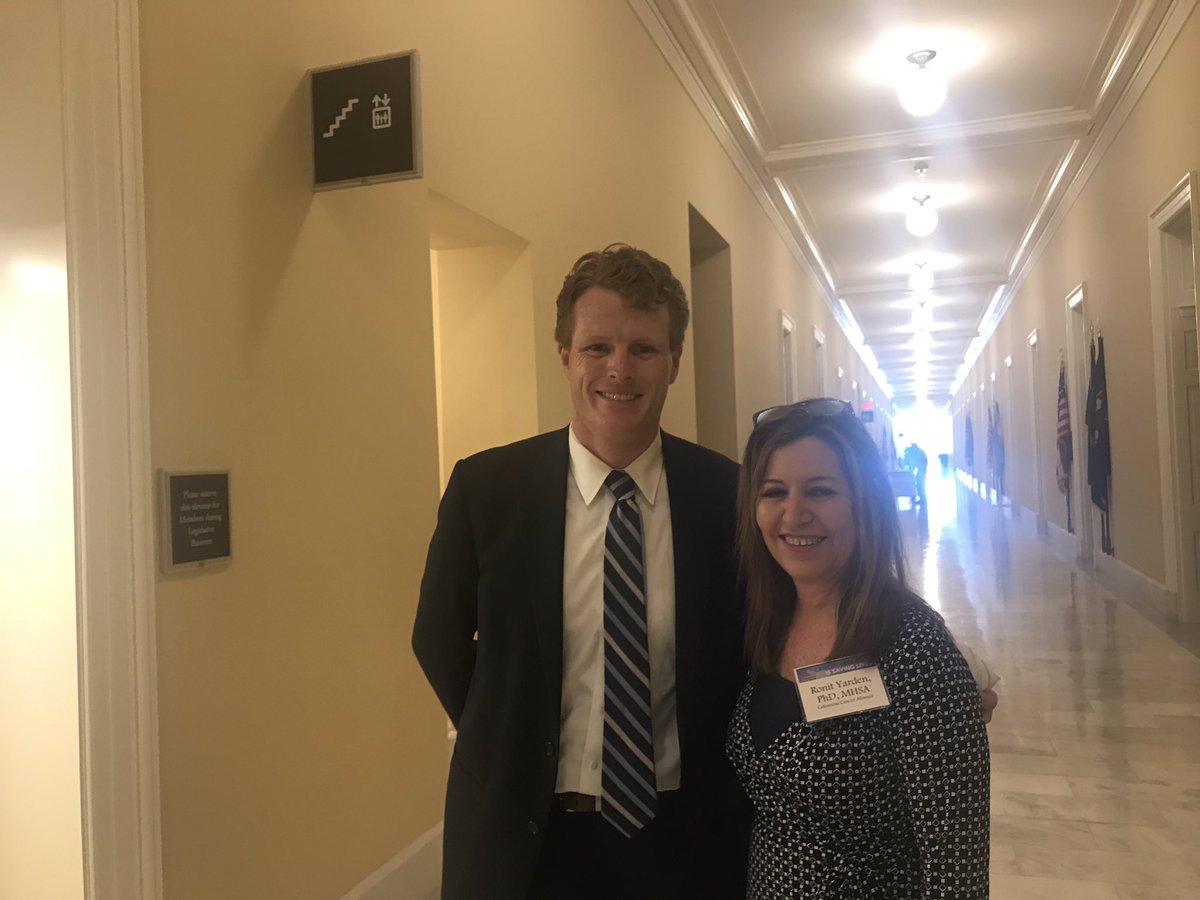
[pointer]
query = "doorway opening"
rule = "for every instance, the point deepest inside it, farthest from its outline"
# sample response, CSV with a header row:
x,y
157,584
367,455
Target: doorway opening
x,y
712,336
483,324
1174,226
1035,413
818,362
787,356
43,781
1078,373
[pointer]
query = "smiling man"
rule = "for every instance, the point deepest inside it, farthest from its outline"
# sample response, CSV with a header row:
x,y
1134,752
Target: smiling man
x,y
578,621
619,360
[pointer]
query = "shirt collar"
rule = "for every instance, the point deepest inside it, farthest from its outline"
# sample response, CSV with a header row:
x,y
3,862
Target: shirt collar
x,y
589,471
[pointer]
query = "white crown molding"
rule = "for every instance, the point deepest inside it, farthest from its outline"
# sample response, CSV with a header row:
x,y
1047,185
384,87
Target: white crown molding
x,y
690,50
1117,74
1081,159
1039,127
653,15
726,86
889,341
891,288
668,22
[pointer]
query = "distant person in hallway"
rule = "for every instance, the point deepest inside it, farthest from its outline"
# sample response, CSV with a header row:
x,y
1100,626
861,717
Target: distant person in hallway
x,y
858,735
514,633
917,462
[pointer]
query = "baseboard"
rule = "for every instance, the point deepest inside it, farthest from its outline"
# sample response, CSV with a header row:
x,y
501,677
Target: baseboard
x,y
415,873
1128,583
1063,542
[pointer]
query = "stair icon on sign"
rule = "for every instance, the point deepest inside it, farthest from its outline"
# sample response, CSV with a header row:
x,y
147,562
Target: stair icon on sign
x,y
337,123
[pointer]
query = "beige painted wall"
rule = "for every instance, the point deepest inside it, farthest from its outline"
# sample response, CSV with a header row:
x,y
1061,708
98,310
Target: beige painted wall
x,y
1102,242
292,343
41,850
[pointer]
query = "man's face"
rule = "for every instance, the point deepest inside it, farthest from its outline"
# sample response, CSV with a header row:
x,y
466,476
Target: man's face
x,y
619,366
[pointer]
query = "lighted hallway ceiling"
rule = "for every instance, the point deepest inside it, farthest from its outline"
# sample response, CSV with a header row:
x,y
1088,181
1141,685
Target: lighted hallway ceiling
x,y
804,95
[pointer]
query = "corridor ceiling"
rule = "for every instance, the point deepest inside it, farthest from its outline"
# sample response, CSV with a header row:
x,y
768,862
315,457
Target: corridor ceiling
x,y
803,95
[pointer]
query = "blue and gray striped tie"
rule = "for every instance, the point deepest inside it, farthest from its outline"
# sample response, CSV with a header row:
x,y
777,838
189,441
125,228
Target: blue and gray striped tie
x,y
630,796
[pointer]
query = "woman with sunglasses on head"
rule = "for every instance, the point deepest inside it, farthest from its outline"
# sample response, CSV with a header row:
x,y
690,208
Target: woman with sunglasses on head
x,y
858,736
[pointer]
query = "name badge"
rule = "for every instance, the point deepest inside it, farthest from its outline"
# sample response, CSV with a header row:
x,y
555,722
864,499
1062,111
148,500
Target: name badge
x,y
840,687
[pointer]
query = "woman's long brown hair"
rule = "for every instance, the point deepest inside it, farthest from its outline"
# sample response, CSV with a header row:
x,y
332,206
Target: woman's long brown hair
x,y
873,584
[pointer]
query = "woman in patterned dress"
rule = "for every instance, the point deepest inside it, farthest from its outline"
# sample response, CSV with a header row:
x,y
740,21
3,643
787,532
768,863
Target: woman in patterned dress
x,y
886,803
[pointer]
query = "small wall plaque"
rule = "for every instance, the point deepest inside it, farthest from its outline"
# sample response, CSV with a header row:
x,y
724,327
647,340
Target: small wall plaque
x,y
365,122
195,518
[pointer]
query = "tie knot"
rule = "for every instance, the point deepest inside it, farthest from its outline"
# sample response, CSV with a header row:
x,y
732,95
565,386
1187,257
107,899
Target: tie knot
x,y
622,486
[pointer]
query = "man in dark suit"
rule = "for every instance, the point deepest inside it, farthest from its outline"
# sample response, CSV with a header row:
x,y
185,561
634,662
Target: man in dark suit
x,y
513,626
918,463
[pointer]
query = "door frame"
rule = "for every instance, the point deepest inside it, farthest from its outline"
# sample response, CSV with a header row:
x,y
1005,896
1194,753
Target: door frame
x,y
818,362
114,533
1182,196
787,357
1078,375
1035,417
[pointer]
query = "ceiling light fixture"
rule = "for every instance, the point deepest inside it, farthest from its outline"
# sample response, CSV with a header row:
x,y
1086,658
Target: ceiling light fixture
x,y
921,91
920,279
922,315
921,218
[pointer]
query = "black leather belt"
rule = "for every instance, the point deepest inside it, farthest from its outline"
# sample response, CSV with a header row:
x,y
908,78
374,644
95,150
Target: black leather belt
x,y
576,803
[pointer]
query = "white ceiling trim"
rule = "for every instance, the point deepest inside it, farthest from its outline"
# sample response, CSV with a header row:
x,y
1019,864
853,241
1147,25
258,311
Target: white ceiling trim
x,y
1003,131
656,17
890,288
1083,157
727,86
1117,75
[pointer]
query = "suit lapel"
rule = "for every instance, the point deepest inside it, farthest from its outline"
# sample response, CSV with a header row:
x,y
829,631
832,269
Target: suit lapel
x,y
543,505
687,518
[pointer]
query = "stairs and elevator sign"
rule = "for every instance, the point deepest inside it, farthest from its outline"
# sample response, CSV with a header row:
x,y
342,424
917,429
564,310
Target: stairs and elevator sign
x,y
365,122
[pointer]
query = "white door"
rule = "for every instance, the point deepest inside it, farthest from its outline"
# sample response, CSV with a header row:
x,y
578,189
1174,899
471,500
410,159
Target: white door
x,y
1173,227
1039,462
818,363
1186,408
1078,365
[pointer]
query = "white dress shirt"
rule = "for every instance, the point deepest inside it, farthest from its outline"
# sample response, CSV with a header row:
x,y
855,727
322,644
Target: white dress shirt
x,y
581,733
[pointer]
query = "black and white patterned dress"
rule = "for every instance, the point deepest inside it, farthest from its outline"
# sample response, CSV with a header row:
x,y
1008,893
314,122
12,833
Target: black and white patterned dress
x,y
890,803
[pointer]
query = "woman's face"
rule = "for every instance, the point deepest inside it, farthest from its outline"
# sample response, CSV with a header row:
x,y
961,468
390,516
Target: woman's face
x,y
805,515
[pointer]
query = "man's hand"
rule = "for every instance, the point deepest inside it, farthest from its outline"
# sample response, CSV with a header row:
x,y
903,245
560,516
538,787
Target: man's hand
x,y
990,700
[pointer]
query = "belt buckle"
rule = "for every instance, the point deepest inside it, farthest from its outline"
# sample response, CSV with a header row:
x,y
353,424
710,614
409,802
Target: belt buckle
x,y
574,802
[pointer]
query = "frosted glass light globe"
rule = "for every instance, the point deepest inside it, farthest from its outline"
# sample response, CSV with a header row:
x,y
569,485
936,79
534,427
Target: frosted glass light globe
x,y
921,91
921,279
921,219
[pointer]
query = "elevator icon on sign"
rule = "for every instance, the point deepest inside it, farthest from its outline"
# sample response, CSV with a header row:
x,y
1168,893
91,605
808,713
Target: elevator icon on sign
x,y
381,112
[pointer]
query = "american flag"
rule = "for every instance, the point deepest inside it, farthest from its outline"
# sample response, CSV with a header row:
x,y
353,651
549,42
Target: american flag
x,y
1065,453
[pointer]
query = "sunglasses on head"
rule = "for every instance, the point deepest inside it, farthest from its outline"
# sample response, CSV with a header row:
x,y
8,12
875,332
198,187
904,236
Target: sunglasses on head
x,y
815,408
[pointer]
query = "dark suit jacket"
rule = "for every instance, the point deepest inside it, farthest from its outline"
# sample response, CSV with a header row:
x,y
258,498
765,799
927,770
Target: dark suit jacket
x,y
488,634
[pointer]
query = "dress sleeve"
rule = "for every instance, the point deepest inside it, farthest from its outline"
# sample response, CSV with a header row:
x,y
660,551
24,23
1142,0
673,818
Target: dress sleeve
x,y
940,744
981,671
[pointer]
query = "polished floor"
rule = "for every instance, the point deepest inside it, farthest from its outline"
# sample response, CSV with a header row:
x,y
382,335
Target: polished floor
x,y
1096,743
